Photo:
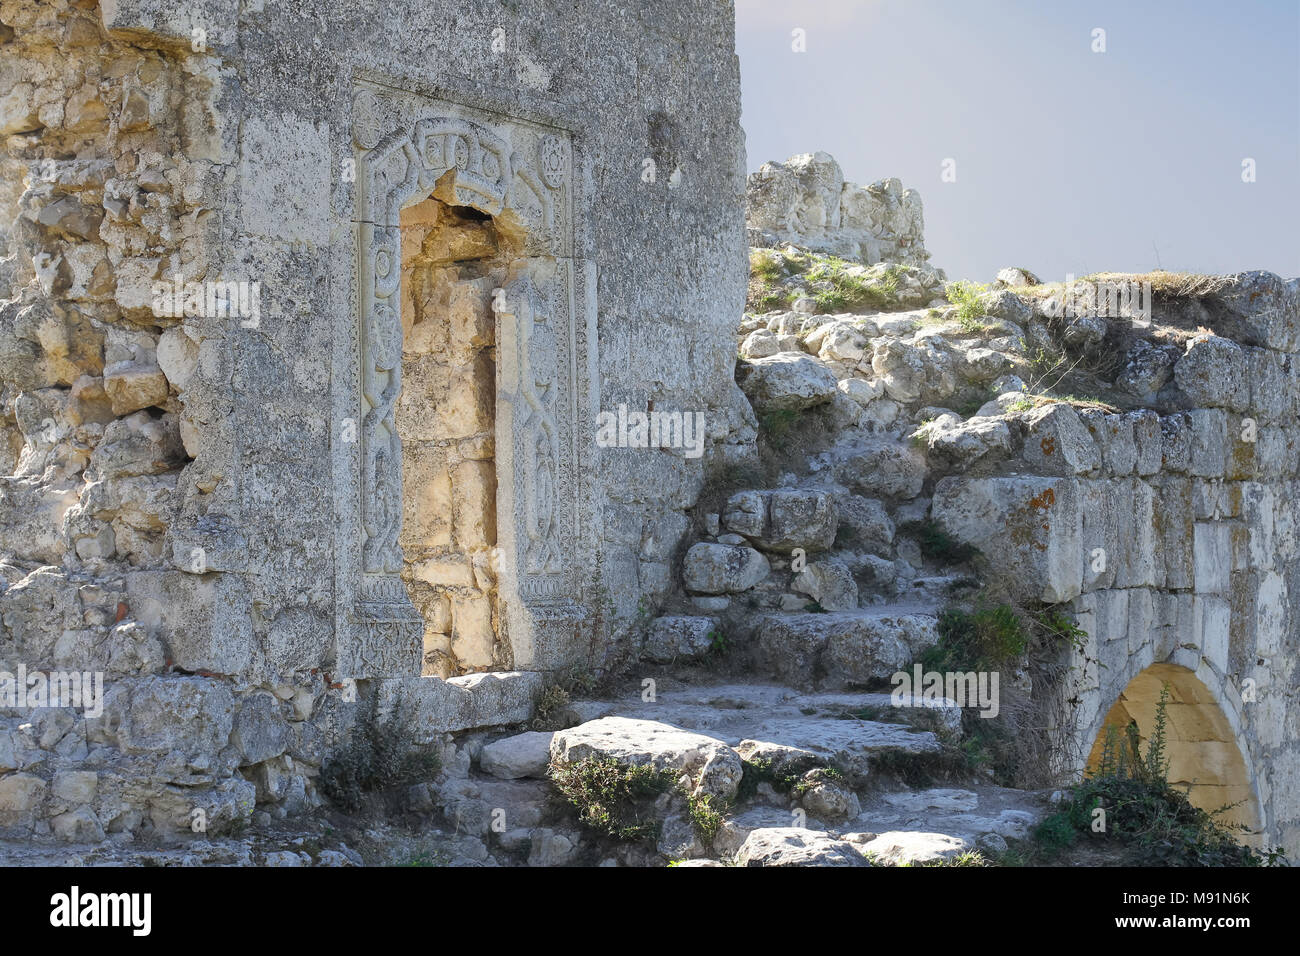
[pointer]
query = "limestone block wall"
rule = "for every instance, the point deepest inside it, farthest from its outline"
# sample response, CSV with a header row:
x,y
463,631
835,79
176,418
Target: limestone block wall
x,y
1172,538
201,504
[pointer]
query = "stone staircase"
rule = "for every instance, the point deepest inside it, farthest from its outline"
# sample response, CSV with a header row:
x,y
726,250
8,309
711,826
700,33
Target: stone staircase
x,y
802,777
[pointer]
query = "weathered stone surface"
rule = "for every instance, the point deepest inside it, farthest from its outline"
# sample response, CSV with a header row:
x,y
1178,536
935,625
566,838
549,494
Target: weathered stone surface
x,y
824,799
190,715
1035,520
723,569
462,703
866,523
901,847
806,200
953,444
523,755
884,470
134,385
1213,373
792,846
787,381
679,637
1058,443
836,649
829,583
782,520
714,768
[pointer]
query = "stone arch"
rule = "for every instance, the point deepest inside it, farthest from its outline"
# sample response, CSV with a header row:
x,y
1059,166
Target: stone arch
x,y
1201,739
515,175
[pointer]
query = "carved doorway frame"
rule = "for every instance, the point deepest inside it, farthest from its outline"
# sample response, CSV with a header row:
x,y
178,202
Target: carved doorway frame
x,y
408,146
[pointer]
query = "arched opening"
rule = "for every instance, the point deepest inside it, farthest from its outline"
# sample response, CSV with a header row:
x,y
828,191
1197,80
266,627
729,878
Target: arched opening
x,y
452,259
1202,750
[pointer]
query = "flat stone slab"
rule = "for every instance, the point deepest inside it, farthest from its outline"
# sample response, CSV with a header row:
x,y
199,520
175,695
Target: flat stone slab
x,y
910,847
922,800
461,703
847,745
966,814
767,721
730,711
794,846
523,755
714,767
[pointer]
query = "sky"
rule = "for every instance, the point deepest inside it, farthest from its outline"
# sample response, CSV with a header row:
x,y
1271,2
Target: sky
x,y
1066,160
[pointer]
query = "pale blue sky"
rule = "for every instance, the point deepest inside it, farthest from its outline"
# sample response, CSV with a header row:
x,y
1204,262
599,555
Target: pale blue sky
x,y
1067,160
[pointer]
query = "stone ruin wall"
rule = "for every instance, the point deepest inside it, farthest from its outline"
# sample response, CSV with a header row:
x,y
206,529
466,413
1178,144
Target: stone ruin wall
x,y
1166,527
182,501
1172,540
186,496
807,201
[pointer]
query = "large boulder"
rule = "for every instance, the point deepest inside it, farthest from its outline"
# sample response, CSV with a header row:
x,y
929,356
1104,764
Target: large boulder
x,y
678,637
782,520
523,755
838,649
786,381
795,846
884,469
723,568
713,767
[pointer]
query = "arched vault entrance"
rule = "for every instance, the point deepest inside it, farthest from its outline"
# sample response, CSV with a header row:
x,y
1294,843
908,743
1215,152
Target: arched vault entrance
x,y
1204,758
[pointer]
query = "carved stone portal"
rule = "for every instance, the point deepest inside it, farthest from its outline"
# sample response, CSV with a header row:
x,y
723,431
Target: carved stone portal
x,y
410,149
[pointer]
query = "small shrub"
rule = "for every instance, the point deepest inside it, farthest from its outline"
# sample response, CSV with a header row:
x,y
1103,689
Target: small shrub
x,y
766,265
550,709
777,423
705,820
966,296
830,300
983,639
612,798
771,301
759,771
1147,819
937,544
1056,624
376,756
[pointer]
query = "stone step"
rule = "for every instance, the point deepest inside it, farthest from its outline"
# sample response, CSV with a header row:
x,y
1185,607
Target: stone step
x,y
901,828
837,650
773,727
734,711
